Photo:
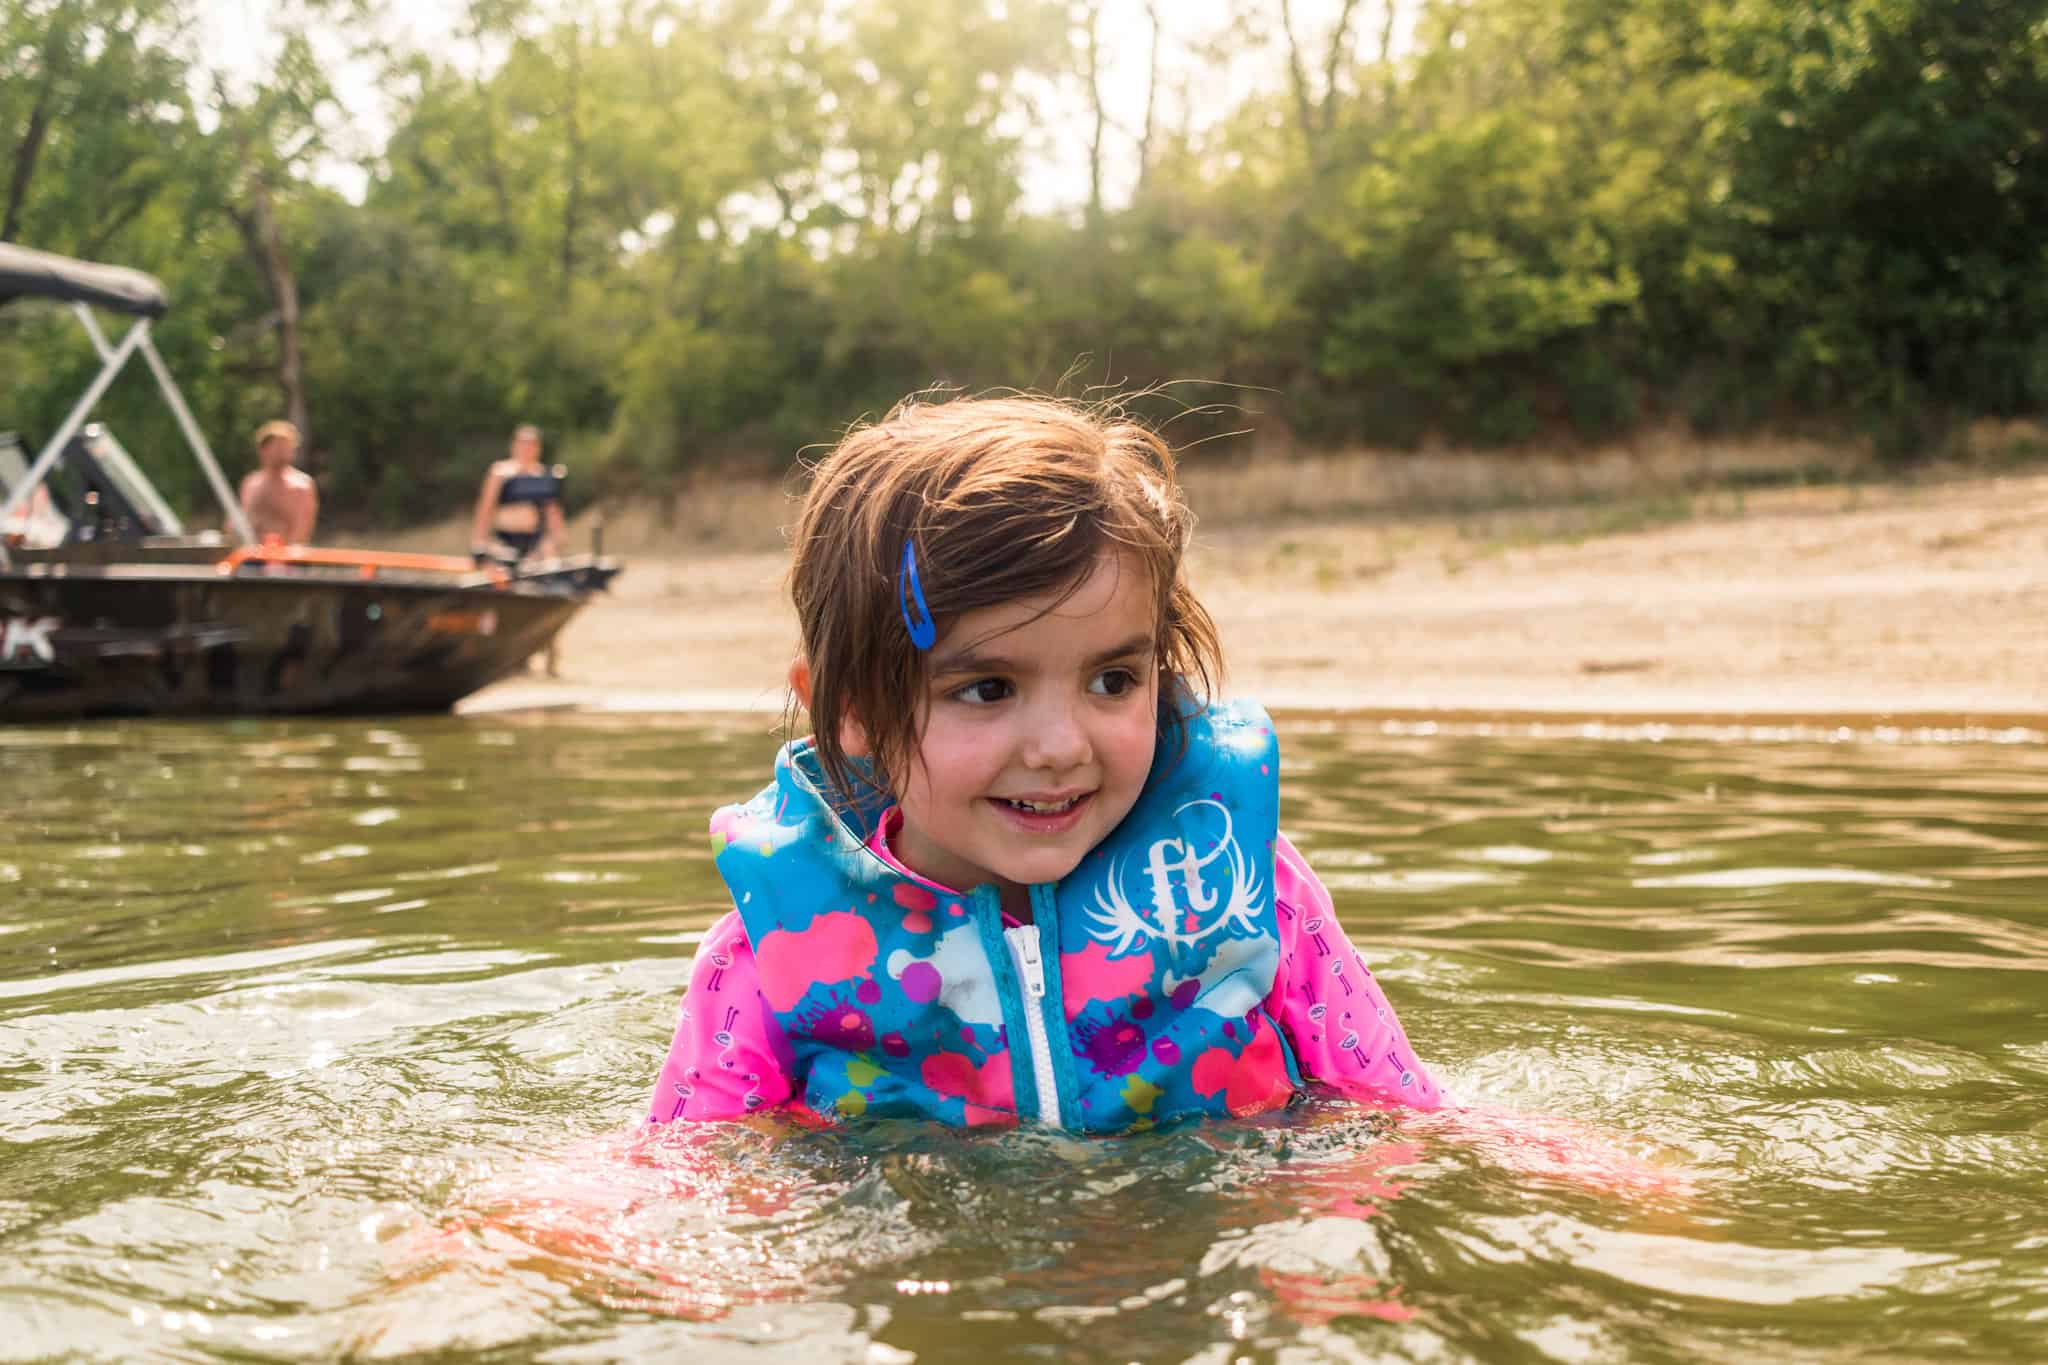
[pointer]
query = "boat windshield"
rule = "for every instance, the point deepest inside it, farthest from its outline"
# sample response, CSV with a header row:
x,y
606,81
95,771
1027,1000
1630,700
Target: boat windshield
x,y
132,484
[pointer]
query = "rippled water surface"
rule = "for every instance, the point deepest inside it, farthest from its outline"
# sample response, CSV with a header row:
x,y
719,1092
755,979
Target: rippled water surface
x,y
323,1039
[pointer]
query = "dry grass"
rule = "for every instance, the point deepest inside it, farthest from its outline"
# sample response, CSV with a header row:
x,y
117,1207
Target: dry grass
x,y
703,514
1397,484
742,514
1655,477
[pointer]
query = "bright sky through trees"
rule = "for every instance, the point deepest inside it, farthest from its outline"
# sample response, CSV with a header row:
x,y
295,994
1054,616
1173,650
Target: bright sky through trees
x,y
239,37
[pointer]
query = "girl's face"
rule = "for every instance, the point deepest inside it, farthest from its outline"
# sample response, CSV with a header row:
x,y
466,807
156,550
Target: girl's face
x,y
1040,720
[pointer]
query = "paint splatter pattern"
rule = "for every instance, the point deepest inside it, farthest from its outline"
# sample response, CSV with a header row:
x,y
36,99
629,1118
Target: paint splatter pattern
x,y
1352,1043
888,1004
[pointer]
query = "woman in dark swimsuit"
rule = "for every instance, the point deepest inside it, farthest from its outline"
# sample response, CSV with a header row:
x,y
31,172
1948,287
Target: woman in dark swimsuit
x,y
520,505
519,511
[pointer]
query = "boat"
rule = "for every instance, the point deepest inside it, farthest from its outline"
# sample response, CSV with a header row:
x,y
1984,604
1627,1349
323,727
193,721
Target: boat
x,y
110,606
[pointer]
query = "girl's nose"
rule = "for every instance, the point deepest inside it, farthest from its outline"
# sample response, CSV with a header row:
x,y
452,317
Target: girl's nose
x,y
1055,737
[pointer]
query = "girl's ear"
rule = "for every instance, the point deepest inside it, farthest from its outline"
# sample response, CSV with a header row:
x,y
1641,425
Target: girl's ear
x,y
800,680
853,736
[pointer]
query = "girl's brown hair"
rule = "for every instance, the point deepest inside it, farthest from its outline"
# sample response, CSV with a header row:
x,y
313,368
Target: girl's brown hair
x,y
1000,498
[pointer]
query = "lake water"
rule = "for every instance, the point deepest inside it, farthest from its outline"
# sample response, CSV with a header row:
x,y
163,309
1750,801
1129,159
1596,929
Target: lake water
x,y
317,1039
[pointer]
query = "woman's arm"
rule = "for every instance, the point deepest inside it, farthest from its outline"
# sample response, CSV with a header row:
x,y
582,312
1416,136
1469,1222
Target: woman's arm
x,y
551,539
1329,1004
729,1057
486,503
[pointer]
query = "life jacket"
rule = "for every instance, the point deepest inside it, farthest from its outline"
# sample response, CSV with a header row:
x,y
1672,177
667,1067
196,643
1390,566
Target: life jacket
x,y
898,1000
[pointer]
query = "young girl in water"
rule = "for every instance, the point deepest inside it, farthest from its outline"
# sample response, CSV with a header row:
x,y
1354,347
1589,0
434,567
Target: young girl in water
x,y
1024,869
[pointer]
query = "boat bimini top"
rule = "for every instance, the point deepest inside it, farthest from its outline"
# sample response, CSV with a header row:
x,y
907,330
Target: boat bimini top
x,y
30,274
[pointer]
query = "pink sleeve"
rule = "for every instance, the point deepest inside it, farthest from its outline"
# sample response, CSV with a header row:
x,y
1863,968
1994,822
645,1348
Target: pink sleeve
x,y
729,1057
1329,1005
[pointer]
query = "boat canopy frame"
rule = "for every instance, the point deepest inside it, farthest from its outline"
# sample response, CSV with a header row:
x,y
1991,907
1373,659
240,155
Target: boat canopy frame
x,y
26,273
40,274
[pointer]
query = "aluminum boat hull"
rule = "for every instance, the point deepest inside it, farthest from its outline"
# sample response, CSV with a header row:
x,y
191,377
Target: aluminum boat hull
x,y
189,640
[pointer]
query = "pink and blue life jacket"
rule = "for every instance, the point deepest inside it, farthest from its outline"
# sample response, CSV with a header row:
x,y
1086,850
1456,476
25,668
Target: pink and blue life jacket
x,y
899,1000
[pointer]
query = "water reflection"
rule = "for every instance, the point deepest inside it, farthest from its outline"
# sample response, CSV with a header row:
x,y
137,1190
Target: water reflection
x,y
318,1040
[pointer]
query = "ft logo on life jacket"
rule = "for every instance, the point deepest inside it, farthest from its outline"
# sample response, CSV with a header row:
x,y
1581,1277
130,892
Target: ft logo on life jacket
x,y
1194,884
25,641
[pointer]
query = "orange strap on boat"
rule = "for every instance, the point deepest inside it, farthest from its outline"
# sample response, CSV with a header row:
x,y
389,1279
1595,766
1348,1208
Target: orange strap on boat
x,y
368,563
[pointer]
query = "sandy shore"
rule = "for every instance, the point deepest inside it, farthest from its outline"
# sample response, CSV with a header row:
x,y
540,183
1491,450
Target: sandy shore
x,y
1864,601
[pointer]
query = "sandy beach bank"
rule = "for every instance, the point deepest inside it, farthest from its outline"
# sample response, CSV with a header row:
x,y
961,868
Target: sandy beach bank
x,y
1924,602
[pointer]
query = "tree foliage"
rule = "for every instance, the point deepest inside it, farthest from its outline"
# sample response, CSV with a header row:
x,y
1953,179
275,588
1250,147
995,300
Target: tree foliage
x,y
684,234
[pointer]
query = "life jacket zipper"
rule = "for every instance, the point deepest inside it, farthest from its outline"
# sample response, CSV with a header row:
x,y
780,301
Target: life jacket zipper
x,y
1024,947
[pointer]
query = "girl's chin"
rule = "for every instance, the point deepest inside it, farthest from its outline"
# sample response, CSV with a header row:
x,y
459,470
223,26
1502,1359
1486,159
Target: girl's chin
x,y
1045,867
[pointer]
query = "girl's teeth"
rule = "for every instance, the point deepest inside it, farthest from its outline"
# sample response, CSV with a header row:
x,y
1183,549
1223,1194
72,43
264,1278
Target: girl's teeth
x,y
1044,807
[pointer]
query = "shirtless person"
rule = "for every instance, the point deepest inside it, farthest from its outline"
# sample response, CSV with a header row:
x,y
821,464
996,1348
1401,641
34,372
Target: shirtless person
x,y
279,500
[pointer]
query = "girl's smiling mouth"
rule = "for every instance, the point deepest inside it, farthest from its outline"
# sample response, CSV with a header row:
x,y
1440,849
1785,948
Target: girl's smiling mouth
x,y
1043,814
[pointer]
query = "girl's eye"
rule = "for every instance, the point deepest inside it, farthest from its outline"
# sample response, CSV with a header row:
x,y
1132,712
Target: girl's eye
x,y
1113,682
983,691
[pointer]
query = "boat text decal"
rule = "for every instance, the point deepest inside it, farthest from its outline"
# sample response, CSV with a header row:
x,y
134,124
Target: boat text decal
x,y
25,641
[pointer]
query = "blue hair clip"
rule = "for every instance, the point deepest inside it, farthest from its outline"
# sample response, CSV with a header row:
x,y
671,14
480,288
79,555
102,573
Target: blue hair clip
x,y
924,633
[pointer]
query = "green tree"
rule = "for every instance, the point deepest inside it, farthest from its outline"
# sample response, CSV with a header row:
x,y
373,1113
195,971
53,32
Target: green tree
x,y
1891,177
